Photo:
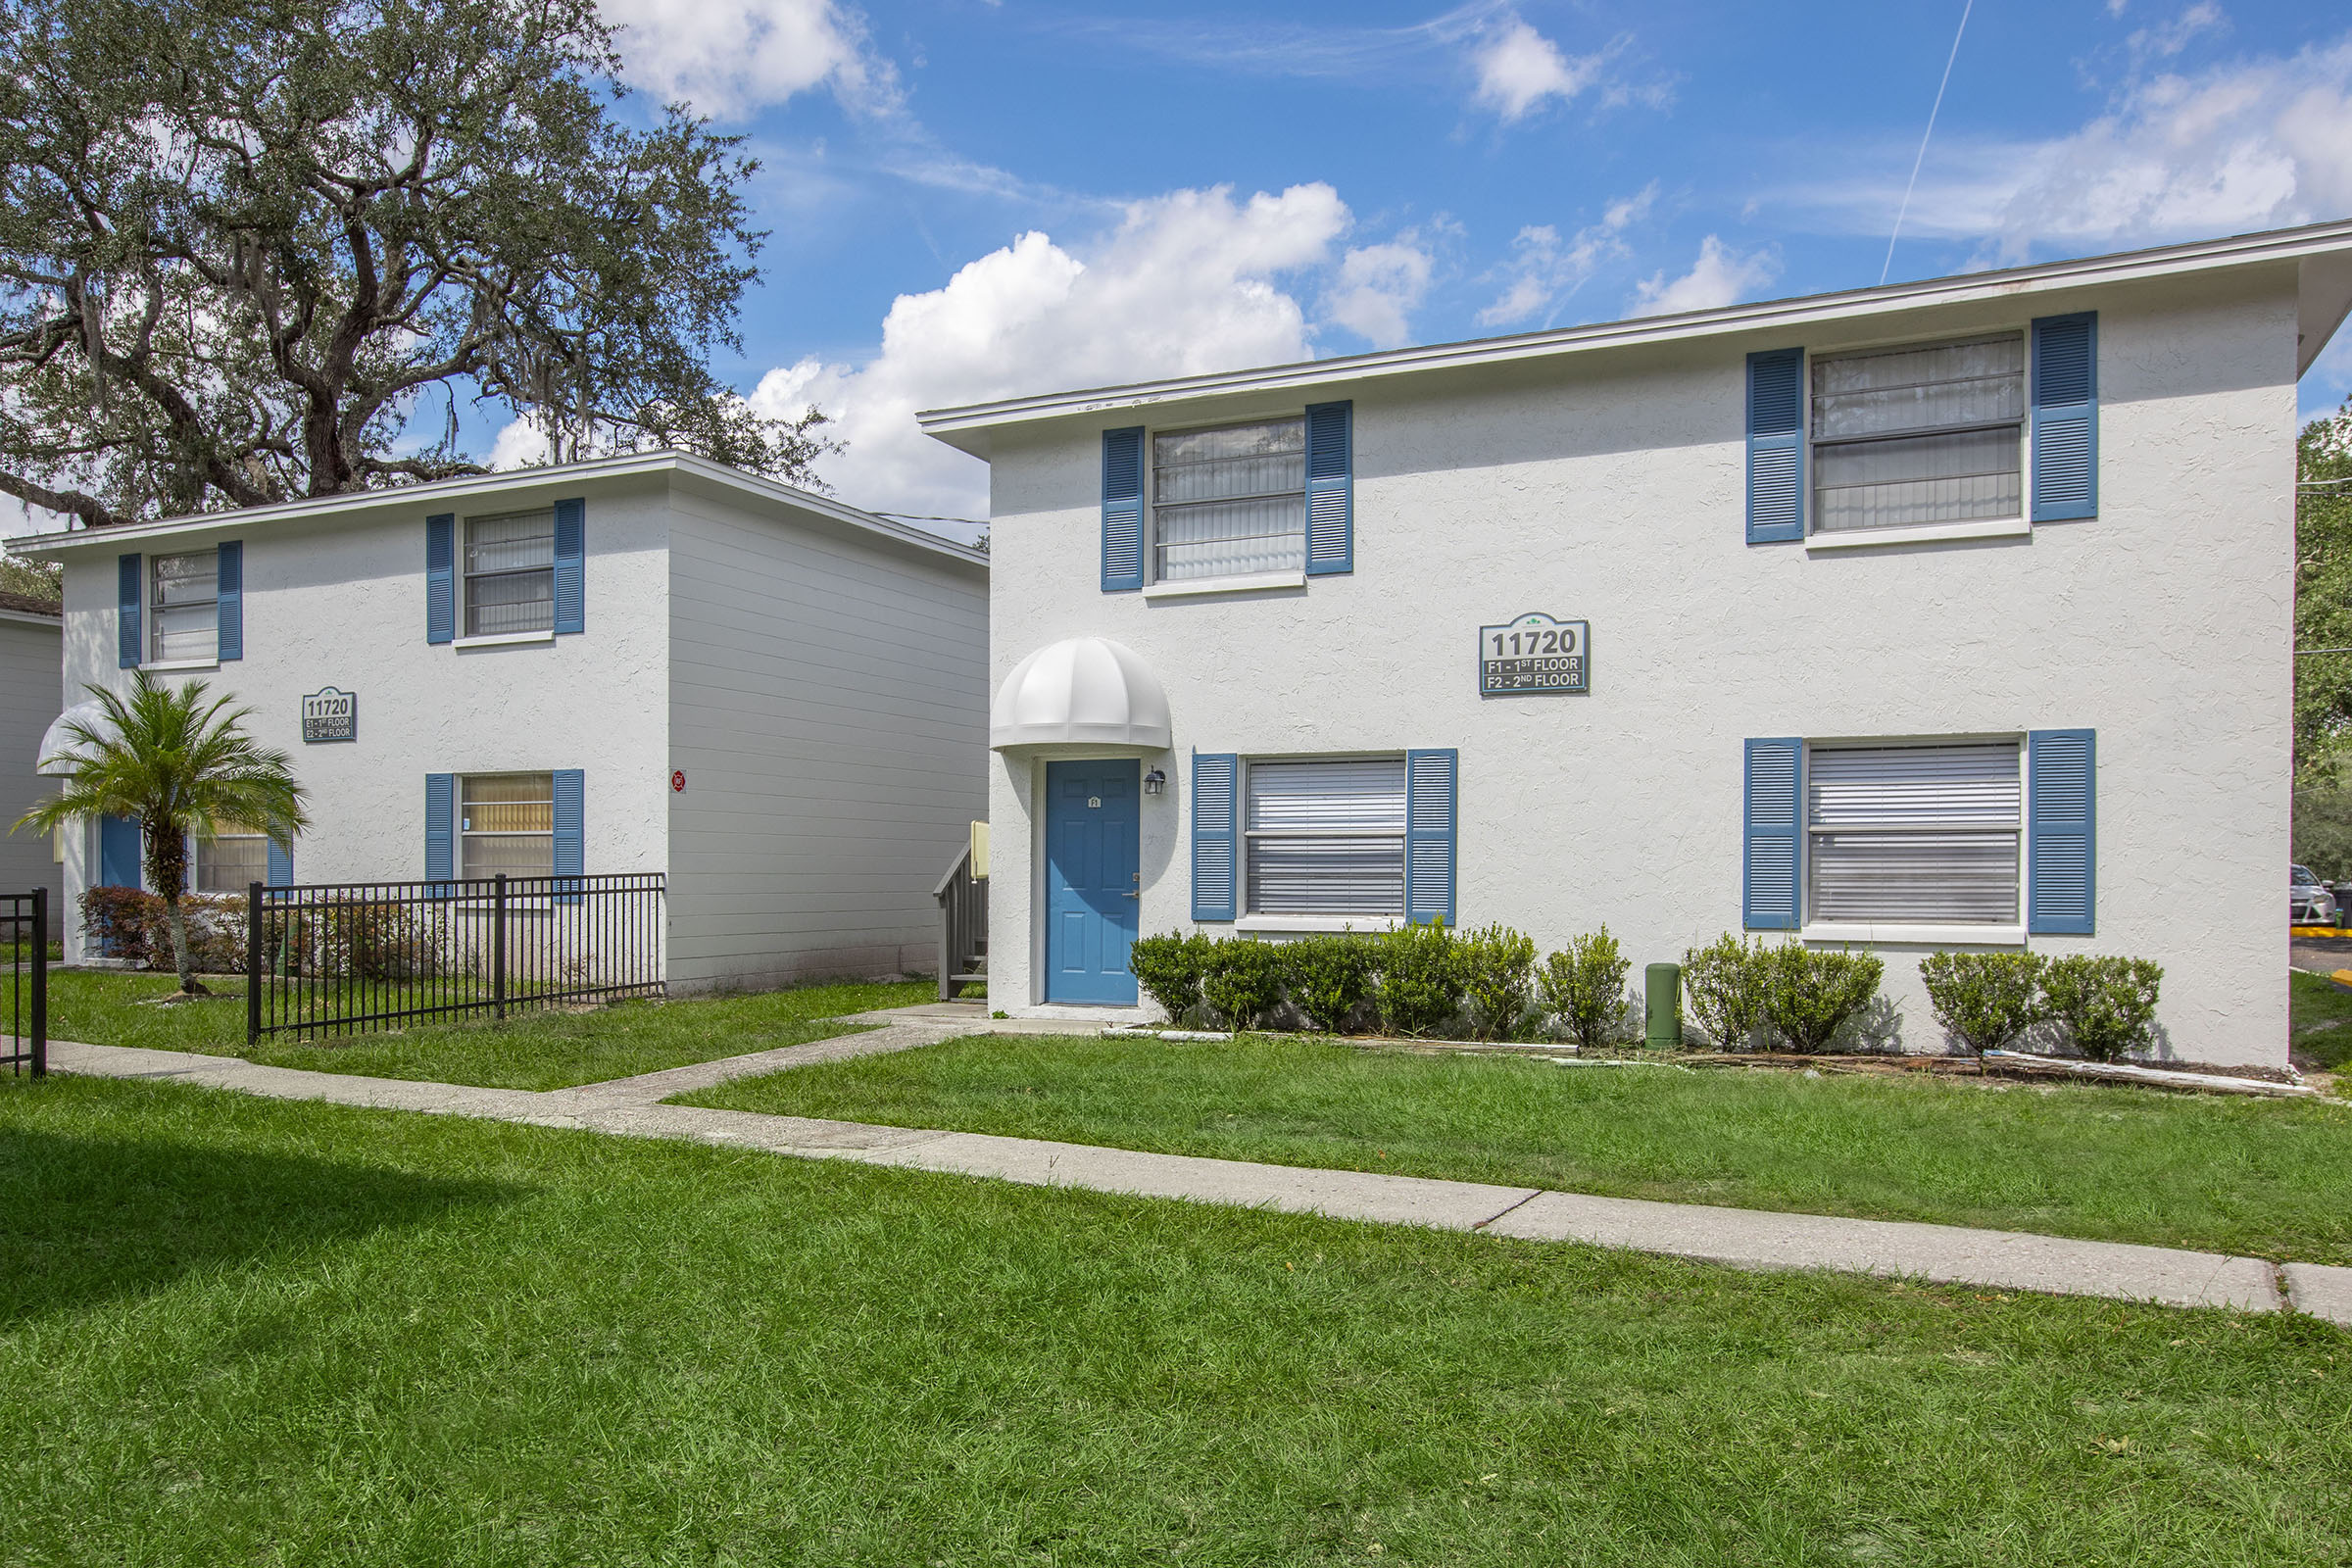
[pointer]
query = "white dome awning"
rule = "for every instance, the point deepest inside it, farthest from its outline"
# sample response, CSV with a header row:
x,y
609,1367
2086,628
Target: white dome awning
x,y
59,750
1081,690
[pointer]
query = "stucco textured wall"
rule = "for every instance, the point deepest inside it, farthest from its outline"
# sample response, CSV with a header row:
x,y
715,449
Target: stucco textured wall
x,y
342,603
829,708
1610,486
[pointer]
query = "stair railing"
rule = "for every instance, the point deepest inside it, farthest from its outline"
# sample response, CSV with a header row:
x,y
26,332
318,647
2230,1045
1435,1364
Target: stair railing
x,y
962,924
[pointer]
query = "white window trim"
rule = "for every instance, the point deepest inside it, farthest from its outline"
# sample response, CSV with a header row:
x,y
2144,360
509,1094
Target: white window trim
x,y
154,630
182,663
1923,534
1253,583
2006,934
1871,933
1182,587
504,638
1247,922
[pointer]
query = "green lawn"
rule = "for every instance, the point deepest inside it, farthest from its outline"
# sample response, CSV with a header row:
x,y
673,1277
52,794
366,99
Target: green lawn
x,y
2322,1021
238,1331
531,1051
2267,1178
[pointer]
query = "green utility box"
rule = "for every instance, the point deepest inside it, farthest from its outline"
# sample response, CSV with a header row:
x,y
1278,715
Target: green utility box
x,y
1662,1006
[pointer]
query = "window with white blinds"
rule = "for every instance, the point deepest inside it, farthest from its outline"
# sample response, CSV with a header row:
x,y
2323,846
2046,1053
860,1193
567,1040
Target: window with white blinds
x,y
1924,835
1325,837
1921,434
1228,502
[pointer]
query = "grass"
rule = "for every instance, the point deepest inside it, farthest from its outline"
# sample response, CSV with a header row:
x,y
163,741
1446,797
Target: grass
x,y
529,1051
236,1330
2265,1178
2322,1028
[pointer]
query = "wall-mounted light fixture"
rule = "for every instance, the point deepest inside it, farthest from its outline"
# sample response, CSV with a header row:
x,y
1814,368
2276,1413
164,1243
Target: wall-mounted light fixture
x,y
1155,781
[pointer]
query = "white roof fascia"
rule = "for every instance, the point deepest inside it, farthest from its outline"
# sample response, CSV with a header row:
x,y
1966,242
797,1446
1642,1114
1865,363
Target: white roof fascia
x,y
971,421
26,618
49,545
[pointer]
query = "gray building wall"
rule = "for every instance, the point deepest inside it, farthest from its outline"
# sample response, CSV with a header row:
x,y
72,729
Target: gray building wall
x,y
31,696
1609,484
828,706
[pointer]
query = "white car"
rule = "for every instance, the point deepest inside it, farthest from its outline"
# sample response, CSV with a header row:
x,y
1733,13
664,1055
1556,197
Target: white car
x,y
2308,900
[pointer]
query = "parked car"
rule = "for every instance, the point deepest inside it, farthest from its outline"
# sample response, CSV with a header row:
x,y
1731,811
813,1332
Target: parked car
x,y
2308,900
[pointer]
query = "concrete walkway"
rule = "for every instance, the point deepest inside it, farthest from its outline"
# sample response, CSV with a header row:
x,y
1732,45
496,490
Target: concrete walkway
x,y
1742,1237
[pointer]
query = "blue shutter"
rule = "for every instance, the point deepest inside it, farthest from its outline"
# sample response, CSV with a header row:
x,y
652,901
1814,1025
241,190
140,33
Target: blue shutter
x,y
1776,445
130,587
2062,862
1774,823
2066,418
440,577
281,866
440,818
1429,835
571,569
1123,510
1329,488
571,813
231,591
1216,780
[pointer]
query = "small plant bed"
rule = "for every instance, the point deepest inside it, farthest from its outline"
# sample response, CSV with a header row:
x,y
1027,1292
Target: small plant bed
x,y
235,1331
2260,1177
532,1049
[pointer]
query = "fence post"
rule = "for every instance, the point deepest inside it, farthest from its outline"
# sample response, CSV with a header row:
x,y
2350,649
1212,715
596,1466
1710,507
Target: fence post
x,y
253,961
40,982
498,946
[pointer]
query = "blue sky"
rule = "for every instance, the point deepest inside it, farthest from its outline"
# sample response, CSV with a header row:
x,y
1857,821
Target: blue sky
x,y
973,198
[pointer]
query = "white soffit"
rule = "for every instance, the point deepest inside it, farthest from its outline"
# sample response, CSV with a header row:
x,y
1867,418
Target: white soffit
x,y
57,752
1081,690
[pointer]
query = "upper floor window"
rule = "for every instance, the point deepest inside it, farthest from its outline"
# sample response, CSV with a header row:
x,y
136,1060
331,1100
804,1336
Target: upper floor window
x,y
1925,835
1228,502
231,860
507,823
1325,837
1925,433
510,574
184,606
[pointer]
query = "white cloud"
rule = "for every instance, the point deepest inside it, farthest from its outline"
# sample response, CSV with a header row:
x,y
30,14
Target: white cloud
x,y
1379,287
2167,39
2254,143
1518,69
521,444
1720,277
1186,284
730,58
1544,270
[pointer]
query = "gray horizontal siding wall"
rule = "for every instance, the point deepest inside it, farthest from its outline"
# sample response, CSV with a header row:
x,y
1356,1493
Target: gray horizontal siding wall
x,y
31,696
829,709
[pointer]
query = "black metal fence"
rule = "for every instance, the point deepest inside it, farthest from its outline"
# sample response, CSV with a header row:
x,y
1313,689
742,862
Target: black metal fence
x,y
349,956
25,927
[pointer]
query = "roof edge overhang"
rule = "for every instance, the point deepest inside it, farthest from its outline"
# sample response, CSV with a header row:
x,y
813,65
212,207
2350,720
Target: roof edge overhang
x,y
505,483
2326,287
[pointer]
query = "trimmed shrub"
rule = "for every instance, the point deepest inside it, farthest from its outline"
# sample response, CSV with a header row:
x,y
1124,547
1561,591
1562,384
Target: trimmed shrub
x,y
1329,977
1809,995
1985,999
1241,980
131,923
1723,988
1497,970
1583,988
1420,978
116,923
1169,969
2108,1005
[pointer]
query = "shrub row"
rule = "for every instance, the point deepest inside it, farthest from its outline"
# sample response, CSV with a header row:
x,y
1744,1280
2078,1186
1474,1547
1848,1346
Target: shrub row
x,y
2105,1006
129,923
1744,993
361,941
1416,980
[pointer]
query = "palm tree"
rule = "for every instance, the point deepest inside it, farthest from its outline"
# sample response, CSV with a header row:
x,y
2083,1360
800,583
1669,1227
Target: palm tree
x,y
177,765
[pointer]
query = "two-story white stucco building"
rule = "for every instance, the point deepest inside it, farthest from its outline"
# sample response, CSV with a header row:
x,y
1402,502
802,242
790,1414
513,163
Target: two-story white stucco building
x,y
637,664
1952,614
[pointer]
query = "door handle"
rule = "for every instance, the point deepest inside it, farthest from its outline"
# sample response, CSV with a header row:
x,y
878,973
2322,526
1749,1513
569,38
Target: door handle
x,y
1131,895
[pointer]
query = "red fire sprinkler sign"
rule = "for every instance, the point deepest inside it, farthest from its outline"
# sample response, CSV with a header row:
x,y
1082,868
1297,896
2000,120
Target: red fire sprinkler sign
x,y
677,781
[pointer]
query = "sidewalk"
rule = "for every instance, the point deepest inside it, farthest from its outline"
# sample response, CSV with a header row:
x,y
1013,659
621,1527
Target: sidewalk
x,y
1740,1237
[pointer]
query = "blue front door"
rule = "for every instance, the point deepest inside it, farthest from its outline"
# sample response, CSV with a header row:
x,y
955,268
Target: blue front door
x,y
118,852
1092,851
